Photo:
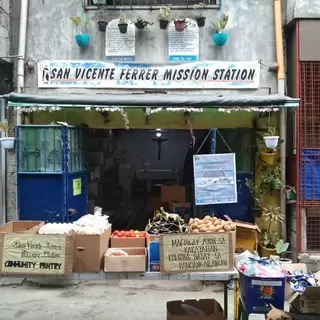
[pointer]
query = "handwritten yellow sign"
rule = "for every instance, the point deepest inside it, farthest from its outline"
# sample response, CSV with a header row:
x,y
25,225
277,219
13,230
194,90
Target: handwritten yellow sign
x,y
201,252
76,186
36,254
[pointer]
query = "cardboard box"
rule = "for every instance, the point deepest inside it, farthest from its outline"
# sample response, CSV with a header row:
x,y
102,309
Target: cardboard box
x,y
197,252
307,302
173,194
207,309
154,204
22,226
153,246
35,254
127,242
246,236
89,250
134,262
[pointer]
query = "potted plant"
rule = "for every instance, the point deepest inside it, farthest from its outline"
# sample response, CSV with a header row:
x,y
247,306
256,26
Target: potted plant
x,y
180,23
142,24
220,37
272,215
291,194
200,19
6,141
272,179
257,194
270,138
281,249
102,21
164,16
123,23
82,37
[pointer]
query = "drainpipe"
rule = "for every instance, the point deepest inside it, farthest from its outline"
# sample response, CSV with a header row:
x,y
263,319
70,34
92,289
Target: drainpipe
x,y
22,50
283,112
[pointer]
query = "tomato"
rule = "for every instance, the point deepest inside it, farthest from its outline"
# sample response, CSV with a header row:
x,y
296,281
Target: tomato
x,y
122,233
116,232
141,235
131,230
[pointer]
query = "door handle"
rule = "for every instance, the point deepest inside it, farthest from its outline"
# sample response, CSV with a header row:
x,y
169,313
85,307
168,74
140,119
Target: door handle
x,y
72,212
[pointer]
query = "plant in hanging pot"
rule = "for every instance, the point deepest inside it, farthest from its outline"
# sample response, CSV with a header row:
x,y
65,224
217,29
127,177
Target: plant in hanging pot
x,y
82,37
180,23
220,37
201,21
164,16
257,194
102,20
270,138
6,141
123,23
271,214
142,24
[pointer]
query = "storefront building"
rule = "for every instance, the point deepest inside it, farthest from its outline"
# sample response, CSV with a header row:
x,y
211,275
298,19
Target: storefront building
x,y
146,80
303,82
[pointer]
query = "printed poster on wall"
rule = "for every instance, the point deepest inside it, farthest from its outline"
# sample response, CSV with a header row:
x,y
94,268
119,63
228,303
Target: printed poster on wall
x,y
193,75
120,47
215,178
183,46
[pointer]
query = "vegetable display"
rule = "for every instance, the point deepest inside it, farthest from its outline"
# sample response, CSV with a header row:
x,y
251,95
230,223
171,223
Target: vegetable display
x,y
164,222
210,224
129,234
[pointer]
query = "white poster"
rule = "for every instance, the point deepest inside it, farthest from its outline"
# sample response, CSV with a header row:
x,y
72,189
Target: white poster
x,y
120,46
184,46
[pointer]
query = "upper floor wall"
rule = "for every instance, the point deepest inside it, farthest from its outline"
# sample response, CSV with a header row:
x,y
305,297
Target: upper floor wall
x,y
250,28
5,14
301,9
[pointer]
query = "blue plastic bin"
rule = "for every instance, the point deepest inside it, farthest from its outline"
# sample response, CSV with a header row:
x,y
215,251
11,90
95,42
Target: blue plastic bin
x,y
258,293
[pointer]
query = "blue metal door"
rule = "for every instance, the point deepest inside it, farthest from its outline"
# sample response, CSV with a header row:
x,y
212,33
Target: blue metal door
x,y
44,170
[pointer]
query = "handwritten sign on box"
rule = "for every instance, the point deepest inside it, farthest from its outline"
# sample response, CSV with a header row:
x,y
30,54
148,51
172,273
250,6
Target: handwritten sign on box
x,y
36,254
201,252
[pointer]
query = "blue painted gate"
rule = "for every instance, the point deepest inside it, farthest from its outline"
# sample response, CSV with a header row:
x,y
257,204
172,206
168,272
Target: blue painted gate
x,y
52,182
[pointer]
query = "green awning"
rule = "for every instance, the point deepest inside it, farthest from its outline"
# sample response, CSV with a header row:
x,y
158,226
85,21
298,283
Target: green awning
x,y
138,100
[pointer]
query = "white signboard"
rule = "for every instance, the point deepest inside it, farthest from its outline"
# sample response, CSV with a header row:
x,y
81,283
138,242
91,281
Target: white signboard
x,y
184,46
120,47
215,178
193,75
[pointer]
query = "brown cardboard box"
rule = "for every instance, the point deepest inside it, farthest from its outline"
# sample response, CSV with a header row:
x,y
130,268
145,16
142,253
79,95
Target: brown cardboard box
x,y
307,302
246,235
89,250
134,262
127,242
173,194
22,226
207,309
154,204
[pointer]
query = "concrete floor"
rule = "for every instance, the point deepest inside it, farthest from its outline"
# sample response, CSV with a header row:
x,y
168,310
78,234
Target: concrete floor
x,y
101,300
